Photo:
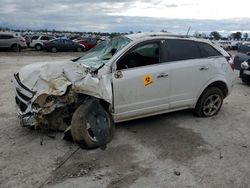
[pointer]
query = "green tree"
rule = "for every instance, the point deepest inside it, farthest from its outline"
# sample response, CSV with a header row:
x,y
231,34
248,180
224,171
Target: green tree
x,y
236,36
216,35
245,36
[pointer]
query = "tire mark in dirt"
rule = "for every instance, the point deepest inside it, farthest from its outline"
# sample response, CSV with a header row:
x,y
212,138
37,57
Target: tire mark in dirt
x,y
118,164
167,139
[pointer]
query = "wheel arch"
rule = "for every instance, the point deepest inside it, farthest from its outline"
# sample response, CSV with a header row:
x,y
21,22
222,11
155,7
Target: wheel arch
x,y
221,84
105,104
15,44
38,44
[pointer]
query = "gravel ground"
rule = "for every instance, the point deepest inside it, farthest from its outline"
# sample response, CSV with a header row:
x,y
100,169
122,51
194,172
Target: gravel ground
x,y
170,150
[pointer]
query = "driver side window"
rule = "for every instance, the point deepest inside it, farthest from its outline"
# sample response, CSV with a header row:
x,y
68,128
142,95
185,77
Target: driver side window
x,y
144,55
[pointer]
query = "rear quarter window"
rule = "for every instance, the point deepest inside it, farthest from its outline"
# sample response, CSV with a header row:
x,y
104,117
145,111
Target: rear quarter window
x,y
207,50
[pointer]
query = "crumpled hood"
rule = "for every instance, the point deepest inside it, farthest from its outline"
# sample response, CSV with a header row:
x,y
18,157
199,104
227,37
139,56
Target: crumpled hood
x,y
53,78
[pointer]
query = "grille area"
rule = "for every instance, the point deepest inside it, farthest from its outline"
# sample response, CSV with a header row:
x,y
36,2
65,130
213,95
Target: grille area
x,y
24,97
22,106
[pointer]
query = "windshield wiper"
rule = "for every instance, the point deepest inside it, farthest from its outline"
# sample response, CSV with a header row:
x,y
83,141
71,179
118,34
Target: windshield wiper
x,y
74,60
96,70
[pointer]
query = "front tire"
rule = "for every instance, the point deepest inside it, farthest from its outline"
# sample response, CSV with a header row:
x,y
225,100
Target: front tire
x,y
81,130
209,103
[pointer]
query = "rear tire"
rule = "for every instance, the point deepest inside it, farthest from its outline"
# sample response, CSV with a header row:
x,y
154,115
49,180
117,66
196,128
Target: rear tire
x,y
54,49
244,81
16,48
38,47
79,49
210,102
81,129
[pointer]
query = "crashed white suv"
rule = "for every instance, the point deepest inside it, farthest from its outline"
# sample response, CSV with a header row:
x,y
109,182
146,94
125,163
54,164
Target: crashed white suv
x,y
123,78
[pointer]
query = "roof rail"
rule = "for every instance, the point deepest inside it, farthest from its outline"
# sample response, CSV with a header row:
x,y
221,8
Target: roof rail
x,y
170,35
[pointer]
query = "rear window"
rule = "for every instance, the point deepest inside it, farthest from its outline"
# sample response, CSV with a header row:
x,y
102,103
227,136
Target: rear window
x,y
181,50
207,50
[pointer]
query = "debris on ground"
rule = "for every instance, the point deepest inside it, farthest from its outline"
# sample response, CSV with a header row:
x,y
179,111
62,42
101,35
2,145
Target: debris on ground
x,y
177,173
221,156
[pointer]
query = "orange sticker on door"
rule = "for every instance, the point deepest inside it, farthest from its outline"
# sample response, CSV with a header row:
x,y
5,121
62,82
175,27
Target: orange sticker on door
x,y
148,79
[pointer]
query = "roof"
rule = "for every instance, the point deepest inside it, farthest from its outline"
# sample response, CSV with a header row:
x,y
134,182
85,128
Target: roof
x,y
7,33
136,36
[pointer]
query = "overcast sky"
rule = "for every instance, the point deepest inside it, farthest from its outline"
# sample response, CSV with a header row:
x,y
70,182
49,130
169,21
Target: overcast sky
x,y
127,15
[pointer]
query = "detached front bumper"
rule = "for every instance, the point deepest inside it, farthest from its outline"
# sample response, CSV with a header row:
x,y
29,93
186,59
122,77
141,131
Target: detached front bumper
x,y
23,100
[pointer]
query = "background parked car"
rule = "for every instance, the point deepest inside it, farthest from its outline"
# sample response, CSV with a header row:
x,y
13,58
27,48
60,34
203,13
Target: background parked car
x,y
38,41
245,71
242,55
27,39
235,45
226,45
11,41
63,45
88,43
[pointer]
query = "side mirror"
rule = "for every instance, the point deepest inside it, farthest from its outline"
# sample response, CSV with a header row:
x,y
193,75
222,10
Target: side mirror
x,y
248,53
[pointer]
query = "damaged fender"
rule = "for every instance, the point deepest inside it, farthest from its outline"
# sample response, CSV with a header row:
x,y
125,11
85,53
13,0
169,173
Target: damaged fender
x,y
56,85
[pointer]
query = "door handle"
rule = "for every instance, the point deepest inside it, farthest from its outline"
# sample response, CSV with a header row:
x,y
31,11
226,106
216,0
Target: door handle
x,y
204,68
162,75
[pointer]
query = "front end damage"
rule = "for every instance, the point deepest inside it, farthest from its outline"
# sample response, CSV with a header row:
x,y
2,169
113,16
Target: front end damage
x,y
48,98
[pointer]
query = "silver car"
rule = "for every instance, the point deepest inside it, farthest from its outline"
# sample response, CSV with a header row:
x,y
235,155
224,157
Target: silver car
x,y
11,41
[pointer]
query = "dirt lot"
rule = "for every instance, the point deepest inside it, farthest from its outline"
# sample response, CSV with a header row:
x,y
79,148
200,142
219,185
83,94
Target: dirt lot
x,y
171,150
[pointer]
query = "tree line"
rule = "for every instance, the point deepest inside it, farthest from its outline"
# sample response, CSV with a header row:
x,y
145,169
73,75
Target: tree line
x,y
217,36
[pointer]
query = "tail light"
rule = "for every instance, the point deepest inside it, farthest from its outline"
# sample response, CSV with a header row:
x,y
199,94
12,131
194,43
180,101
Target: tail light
x,y
232,66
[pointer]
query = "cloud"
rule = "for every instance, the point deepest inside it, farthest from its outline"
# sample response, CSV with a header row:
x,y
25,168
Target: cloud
x,y
114,15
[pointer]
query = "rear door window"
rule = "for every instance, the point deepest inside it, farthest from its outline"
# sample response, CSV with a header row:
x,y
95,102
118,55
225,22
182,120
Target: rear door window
x,y
177,50
207,50
34,38
45,38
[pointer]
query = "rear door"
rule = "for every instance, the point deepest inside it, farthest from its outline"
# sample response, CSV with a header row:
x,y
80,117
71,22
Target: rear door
x,y
6,40
68,45
140,83
188,71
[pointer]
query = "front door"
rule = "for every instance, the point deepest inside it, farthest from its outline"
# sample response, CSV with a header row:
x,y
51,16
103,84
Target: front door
x,y
140,83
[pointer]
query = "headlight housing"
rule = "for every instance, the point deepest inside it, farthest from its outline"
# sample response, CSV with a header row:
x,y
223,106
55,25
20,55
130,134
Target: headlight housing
x,y
245,65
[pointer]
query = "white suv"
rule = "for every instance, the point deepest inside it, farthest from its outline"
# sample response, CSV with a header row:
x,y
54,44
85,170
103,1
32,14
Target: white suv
x,y
37,41
123,78
12,41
